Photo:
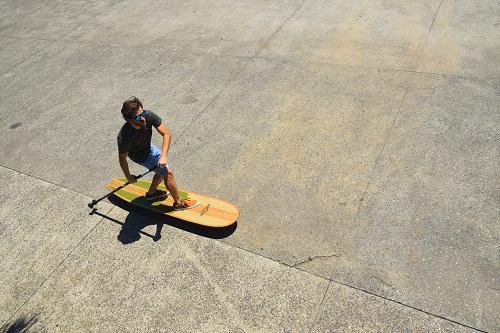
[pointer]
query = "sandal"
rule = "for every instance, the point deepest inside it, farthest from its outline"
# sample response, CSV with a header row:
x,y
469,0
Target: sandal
x,y
157,195
186,204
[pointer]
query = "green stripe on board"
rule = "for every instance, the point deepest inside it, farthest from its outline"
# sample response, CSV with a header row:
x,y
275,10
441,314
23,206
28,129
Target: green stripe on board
x,y
141,183
127,195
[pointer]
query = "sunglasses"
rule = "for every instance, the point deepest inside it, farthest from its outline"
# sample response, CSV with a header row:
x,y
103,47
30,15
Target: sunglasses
x,y
138,117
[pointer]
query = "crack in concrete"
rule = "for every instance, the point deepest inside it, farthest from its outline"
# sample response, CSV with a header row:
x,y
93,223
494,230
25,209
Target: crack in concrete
x,y
309,259
238,72
379,279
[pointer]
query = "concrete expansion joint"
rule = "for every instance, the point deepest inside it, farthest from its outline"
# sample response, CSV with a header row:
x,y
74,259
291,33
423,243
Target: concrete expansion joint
x,y
49,276
45,181
413,71
406,305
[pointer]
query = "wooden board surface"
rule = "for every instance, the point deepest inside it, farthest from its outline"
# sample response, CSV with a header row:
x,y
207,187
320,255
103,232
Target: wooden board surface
x,y
210,212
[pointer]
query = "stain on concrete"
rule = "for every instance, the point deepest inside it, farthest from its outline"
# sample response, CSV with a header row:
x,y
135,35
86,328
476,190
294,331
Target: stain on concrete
x,y
363,39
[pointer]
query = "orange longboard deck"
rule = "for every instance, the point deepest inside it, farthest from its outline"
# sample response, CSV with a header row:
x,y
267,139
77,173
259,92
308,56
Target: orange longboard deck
x,y
210,212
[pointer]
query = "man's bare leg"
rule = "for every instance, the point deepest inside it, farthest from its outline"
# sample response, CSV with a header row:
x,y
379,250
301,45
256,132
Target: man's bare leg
x,y
154,184
172,187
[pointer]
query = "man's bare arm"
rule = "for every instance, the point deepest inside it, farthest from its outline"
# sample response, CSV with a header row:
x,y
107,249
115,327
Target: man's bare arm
x,y
124,165
167,138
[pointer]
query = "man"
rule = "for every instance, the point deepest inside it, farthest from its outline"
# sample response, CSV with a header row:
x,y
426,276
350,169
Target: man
x,y
134,141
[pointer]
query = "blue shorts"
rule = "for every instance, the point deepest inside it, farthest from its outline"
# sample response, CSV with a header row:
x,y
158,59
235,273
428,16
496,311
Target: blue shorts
x,y
152,160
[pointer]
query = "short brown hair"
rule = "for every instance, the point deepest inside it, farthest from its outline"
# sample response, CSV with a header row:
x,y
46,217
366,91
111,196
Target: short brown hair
x,y
130,106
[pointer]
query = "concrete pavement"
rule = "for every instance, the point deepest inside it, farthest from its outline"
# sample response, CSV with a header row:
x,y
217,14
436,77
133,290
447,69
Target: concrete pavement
x,y
360,140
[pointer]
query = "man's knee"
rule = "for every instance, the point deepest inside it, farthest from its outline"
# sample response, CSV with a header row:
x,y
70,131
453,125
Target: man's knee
x,y
170,173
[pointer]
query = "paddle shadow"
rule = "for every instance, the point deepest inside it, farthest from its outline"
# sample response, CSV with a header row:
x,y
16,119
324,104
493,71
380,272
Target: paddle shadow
x,y
139,218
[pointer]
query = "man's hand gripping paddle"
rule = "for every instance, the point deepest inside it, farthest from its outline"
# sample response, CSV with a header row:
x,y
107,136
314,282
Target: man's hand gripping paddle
x,y
95,202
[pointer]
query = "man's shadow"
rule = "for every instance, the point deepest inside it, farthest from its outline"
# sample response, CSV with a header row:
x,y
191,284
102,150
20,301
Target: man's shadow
x,y
139,218
132,229
20,325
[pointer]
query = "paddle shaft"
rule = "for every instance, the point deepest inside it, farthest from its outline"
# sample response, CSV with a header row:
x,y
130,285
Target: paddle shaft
x,y
94,202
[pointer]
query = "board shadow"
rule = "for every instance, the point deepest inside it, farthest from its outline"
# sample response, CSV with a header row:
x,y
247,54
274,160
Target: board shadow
x,y
135,222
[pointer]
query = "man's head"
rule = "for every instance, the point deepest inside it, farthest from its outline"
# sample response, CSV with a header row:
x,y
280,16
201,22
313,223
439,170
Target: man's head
x,y
132,111
130,107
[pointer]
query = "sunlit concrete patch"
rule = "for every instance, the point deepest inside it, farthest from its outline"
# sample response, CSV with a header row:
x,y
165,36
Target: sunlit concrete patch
x,y
428,232
222,27
293,146
40,224
464,40
181,283
68,98
381,34
349,310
